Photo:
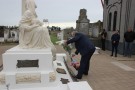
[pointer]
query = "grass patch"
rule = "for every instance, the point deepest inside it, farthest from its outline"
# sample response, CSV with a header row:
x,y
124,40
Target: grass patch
x,y
54,38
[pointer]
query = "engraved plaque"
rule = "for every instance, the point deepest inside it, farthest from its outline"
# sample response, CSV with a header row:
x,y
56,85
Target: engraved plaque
x,y
27,63
28,78
61,70
59,64
64,81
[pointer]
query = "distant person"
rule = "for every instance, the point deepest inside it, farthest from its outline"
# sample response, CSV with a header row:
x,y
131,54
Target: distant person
x,y
129,37
103,39
115,42
86,48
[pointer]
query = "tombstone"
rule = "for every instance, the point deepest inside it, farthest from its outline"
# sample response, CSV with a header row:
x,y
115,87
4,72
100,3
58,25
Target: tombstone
x,y
95,32
82,24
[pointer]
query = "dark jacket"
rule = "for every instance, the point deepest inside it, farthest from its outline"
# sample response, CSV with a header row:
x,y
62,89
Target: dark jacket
x,y
129,36
103,34
116,38
83,44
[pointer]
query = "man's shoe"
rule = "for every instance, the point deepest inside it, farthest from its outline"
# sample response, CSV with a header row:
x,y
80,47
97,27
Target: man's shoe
x,y
125,55
111,55
78,77
85,73
129,56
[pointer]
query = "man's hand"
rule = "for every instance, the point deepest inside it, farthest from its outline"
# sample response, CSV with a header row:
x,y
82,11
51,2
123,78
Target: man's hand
x,y
65,42
73,55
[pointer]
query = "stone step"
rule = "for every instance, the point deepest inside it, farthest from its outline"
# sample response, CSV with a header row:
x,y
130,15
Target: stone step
x,y
79,86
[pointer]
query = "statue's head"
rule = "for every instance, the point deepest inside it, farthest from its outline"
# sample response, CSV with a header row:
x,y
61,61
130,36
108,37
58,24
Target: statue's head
x,y
30,5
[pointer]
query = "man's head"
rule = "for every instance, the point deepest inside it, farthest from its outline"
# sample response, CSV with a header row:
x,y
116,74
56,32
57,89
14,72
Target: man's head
x,y
117,31
129,30
73,33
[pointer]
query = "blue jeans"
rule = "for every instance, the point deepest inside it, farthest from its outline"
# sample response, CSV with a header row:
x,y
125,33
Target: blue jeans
x,y
128,48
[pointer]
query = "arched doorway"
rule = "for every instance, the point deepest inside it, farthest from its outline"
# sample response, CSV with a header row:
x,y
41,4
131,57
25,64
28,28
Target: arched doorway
x,y
110,20
114,20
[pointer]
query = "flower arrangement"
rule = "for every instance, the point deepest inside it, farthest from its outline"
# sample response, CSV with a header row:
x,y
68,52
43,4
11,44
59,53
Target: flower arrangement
x,y
67,48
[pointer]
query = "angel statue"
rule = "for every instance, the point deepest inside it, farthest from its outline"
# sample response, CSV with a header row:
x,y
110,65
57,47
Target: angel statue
x,y
32,32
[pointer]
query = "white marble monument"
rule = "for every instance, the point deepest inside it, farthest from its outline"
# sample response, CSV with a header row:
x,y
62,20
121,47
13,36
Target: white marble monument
x,y
35,45
32,33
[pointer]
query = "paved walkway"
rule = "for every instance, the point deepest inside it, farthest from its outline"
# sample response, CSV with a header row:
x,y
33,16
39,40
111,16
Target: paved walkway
x,y
106,73
110,73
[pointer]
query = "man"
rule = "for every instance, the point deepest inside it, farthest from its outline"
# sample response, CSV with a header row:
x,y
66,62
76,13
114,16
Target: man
x,y
103,38
85,47
115,42
129,38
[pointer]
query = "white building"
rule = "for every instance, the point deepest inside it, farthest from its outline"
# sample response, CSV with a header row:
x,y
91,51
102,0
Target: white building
x,y
118,15
11,35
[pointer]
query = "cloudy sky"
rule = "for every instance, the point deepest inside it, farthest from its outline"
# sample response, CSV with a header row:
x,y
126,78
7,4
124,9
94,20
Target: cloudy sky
x,y
63,13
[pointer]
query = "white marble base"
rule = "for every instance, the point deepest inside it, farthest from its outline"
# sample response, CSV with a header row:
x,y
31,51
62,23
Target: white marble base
x,y
43,78
60,56
70,86
79,86
10,57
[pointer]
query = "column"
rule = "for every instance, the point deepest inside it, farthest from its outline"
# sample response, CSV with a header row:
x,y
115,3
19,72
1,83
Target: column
x,y
23,6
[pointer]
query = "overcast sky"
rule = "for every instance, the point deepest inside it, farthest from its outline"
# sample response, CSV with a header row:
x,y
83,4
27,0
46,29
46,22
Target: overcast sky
x,y
59,12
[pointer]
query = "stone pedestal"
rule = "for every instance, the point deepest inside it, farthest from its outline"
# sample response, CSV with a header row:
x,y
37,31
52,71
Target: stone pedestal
x,y
44,57
12,56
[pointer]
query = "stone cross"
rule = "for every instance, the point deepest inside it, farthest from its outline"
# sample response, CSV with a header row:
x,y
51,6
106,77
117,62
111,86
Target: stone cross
x,y
23,6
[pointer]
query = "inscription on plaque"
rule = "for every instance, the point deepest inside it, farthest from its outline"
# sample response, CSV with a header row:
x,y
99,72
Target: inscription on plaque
x,y
27,63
